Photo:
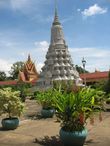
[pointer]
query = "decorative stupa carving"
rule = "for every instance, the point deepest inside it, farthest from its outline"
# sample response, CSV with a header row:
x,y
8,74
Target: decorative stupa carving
x,y
29,72
58,65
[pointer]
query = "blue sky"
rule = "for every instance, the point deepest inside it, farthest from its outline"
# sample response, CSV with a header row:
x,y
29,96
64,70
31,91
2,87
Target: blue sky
x,y
25,28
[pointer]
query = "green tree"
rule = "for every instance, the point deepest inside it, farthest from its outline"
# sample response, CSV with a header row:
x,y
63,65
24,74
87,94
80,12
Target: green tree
x,y
2,76
16,67
24,89
80,69
99,85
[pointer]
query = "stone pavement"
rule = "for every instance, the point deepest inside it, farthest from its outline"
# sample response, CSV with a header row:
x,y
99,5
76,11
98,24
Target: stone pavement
x,y
44,132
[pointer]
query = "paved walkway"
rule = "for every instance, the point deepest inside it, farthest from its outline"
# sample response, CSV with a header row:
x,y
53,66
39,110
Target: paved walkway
x,y
44,132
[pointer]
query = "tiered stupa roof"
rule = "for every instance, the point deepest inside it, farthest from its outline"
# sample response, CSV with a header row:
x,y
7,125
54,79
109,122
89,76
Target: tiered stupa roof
x,y
58,65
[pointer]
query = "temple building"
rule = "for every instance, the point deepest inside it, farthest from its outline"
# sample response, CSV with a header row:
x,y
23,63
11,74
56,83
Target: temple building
x,y
29,73
58,65
95,77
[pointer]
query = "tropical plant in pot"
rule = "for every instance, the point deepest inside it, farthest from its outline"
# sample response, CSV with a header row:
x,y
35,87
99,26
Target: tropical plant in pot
x,y
45,99
11,107
73,110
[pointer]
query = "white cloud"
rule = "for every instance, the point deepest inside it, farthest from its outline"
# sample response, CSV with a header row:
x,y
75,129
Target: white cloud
x,y
91,52
95,57
39,66
94,10
41,18
5,65
67,19
18,4
43,45
30,8
7,44
14,4
27,7
37,53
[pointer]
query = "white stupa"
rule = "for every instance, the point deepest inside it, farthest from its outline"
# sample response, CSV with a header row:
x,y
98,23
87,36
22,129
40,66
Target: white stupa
x,y
58,65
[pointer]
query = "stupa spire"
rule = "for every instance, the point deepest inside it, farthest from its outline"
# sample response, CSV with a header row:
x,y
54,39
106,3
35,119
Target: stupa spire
x,y
55,7
57,36
56,19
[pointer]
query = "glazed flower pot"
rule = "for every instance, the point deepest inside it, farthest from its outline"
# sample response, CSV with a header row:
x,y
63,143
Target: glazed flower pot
x,y
75,138
10,123
47,113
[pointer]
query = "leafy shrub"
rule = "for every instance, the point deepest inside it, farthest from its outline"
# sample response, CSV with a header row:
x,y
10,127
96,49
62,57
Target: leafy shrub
x,y
10,103
73,109
45,98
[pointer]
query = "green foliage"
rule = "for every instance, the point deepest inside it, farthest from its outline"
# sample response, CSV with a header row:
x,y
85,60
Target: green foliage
x,y
103,86
99,85
2,76
24,89
108,99
45,98
16,67
10,103
100,97
64,86
73,109
80,69
34,94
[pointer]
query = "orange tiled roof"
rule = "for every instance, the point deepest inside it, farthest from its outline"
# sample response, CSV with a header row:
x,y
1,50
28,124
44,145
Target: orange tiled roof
x,y
13,82
22,76
95,75
8,82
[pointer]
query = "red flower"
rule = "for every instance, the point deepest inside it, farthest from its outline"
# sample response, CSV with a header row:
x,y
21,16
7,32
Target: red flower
x,y
81,118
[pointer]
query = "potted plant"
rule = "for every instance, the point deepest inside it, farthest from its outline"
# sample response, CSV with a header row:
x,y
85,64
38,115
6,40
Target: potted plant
x,y
11,106
73,110
45,99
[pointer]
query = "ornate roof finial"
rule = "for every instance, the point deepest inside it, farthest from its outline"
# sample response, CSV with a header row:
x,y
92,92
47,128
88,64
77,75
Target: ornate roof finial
x,y
29,58
56,20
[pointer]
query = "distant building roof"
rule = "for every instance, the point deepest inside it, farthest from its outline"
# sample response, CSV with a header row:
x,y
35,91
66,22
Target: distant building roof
x,y
13,82
95,76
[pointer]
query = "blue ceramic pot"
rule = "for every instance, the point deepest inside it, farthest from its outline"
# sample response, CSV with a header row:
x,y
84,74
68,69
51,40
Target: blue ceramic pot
x,y
47,113
75,138
10,123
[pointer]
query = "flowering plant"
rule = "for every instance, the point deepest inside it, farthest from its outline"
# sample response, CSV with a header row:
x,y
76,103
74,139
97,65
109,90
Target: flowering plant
x,y
74,108
10,102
